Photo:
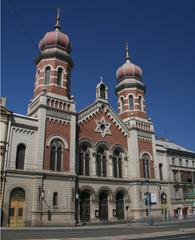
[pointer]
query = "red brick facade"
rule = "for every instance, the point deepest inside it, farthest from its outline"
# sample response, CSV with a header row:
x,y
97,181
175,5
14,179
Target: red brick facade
x,y
87,130
54,128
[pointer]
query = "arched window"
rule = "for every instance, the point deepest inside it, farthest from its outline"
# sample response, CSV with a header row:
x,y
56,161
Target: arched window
x,y
146,165
122,104
56,155
84,159
140,103
101,169
55,199
20,156
131,103
161,171
117,163
47,75
102,91
59,76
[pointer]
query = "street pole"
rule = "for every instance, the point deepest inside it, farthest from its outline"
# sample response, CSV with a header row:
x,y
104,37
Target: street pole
x,y
150,222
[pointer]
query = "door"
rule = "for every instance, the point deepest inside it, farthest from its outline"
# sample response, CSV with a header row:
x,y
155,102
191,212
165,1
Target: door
x,y
16,213
103,206
16,210
120,206
85,207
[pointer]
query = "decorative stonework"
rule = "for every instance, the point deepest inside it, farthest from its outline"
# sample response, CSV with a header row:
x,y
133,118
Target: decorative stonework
x,y
103,127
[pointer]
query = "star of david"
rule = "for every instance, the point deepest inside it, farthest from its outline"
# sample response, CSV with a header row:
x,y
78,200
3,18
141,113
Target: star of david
x,y
103,127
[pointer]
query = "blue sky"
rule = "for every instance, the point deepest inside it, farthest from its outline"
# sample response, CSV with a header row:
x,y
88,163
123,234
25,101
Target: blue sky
x,y
161,39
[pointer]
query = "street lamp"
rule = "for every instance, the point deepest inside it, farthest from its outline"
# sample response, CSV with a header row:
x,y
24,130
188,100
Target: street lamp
x,y
148,204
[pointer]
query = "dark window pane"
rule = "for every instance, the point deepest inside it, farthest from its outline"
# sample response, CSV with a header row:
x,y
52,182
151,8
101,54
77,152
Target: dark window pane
x,y
55,199
20,156
81,164
120,168
102,91
11,212
59,155
47,75
52,160
59,77
114,167
20,212
87,164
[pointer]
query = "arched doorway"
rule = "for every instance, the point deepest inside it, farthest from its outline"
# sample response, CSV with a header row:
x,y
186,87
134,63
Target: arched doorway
x,y
85,207
16,210
103,206
120,205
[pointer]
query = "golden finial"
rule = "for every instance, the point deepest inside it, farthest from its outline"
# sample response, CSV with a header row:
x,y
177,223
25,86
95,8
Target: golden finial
x,y
127,51
57,26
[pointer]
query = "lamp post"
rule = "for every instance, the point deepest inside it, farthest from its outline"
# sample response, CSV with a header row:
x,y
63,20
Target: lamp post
x,y
42,196
148,204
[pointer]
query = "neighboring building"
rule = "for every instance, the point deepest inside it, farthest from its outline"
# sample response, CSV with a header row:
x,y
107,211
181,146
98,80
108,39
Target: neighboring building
x,y
64,167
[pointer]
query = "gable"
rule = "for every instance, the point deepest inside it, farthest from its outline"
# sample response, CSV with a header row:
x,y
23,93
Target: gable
x,y
99,123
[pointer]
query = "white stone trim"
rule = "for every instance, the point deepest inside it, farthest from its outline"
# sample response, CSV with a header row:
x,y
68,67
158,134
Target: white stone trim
x,y
52,137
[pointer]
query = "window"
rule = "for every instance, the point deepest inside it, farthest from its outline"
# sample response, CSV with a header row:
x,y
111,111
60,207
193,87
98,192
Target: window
x,y
102,91
131,103
173,161
186,163
84,158
140,103
47,75
55,199
59,76
193,164
122,104
146,165
180,162
160,171
101,160
20,156
117,163
56,155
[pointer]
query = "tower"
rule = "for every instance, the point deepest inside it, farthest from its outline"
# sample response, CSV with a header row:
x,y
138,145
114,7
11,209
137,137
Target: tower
x,y
132,110
52,103
130,90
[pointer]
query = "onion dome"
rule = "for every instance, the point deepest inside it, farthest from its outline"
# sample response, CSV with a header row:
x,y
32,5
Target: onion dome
x,y
128,69
55,39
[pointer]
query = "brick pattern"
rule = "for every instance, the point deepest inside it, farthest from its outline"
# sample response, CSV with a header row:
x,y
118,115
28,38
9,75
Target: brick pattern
x,y
87,130
146,147
64,89
54,128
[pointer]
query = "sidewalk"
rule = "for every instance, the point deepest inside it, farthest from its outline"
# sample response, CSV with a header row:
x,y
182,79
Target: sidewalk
x,y
110,225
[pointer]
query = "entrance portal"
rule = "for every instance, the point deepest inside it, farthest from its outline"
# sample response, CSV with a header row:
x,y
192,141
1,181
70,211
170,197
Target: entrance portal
x,y
85,207
103,206
16,210
120,205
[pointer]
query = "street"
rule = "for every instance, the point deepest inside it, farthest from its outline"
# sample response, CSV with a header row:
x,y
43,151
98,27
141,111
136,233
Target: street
x,y
184,230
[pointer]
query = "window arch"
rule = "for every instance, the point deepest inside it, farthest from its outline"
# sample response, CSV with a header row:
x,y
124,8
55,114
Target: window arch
x,y
56,155
101,161
131,103
20,156
59,76
140,103
161,171
117,163
55,199
146,165
122,104
47,75
84,159
102,91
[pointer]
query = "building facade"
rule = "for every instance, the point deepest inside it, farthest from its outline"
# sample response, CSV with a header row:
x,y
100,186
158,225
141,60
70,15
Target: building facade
x,y
63,167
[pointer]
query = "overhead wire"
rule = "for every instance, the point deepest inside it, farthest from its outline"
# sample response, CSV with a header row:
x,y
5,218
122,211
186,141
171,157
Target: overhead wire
x,y
23,25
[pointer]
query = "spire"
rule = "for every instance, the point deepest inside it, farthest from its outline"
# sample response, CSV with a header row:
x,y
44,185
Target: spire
x,y
57,26
101,79
126,51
